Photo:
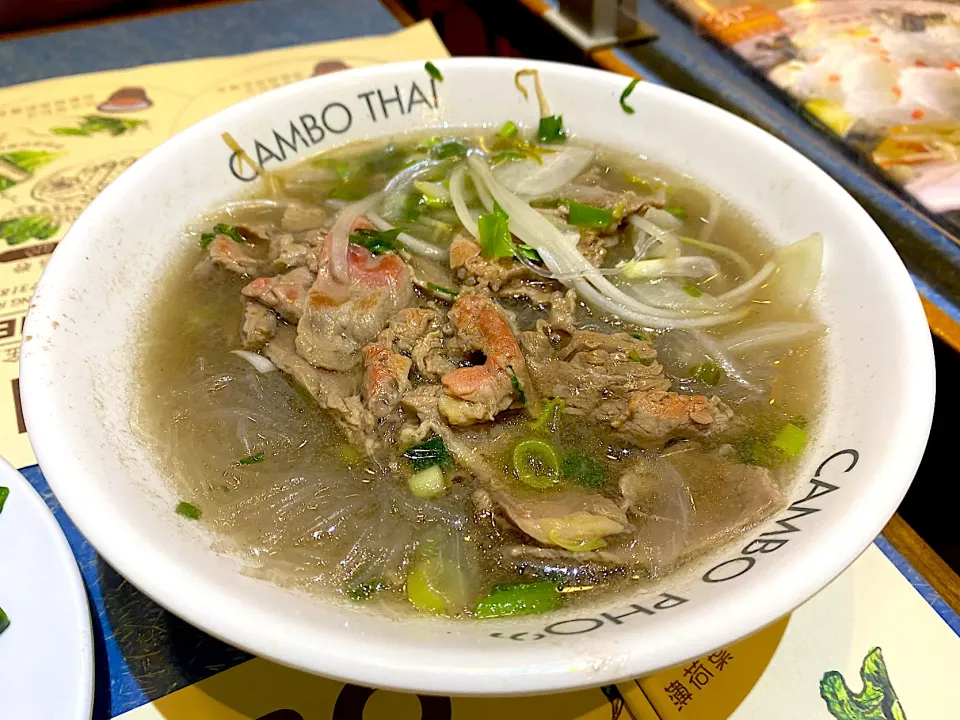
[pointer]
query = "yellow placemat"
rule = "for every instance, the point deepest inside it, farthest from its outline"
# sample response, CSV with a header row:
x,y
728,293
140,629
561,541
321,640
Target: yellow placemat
x,y
868,647
62,141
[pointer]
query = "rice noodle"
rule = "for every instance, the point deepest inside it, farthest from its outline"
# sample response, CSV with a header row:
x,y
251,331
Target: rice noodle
x,y
259,362
414,245
712,348
340,234
745,267
742,293
763,337
667,238
460,203
406,176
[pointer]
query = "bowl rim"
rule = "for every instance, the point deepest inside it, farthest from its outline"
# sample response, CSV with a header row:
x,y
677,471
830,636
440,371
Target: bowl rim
x,y
210,608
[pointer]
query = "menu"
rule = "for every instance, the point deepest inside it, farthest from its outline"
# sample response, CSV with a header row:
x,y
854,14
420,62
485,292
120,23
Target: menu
x,y
62,141
884,75
868,647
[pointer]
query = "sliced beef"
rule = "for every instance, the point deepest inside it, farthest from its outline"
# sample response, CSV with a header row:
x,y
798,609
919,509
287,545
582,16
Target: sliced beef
x,y
286,250
591,368
338,392
505,277
655,415
418,333
227,253
259,325
285,293
478,393
564,519
340,318
385,380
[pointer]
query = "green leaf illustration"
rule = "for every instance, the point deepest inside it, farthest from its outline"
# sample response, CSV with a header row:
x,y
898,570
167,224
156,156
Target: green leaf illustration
x,y
28,227
877,700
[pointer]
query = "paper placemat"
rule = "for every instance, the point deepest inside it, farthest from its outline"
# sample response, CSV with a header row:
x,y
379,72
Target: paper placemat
x,y
868,647
63,141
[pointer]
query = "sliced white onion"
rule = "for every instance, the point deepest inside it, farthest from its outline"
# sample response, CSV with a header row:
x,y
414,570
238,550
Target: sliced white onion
x,y
662,218
485,199
459,201
259,362
771,335
340,234
798,272
531,179
414,245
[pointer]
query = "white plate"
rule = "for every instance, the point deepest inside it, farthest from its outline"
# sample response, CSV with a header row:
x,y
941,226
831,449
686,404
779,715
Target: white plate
x,y
46,655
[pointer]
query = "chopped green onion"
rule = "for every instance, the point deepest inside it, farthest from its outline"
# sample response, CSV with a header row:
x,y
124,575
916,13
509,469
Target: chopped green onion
x,y
707,372
693,291
588,216
4,494
251,460
365,590
420,590
519,599
517,387
551,130
450,149
189,510
508,130
220,229
428,483
431,452
625,94
495,238
639,336
4,621
441,289
527,252
499,211
677,211
549,415
791,440
536,464
376,241
433,71
584,469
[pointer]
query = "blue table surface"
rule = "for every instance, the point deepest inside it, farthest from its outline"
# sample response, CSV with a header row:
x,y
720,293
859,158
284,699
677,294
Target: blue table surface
x,y
224,30
141,651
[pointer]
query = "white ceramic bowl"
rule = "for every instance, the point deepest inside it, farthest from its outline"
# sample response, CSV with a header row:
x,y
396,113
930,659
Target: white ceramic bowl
x,y
80,339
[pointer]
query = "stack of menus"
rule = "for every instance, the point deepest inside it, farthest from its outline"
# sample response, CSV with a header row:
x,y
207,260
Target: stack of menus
x,y
884,75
